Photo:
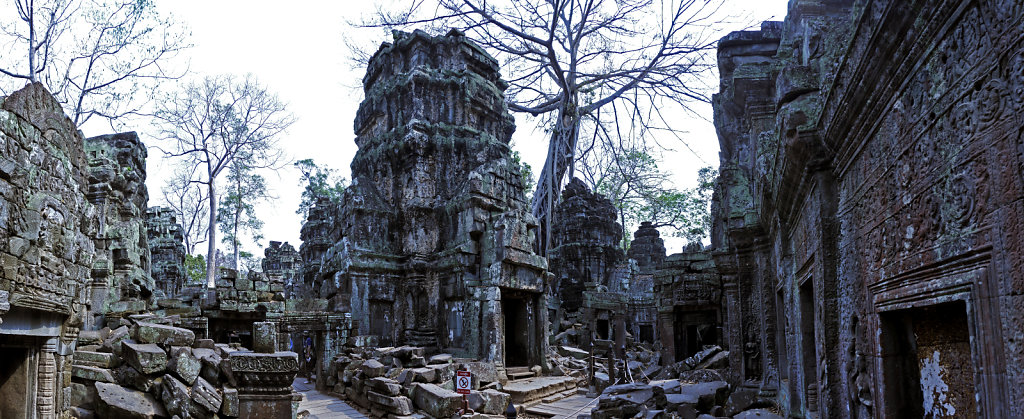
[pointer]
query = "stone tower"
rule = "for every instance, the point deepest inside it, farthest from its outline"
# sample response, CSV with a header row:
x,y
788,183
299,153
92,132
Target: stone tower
x,y
433,243
167,251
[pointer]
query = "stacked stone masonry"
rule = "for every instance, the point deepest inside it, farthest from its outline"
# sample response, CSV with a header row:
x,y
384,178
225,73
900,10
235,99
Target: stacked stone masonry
x,y
868,227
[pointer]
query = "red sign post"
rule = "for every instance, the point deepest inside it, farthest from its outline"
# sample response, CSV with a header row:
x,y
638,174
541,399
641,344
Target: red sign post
x,y
463,385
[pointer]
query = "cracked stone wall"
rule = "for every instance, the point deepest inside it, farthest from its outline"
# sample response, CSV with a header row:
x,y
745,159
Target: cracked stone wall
x,y
432,244
122,283
46,247
584,261
167,251
870,178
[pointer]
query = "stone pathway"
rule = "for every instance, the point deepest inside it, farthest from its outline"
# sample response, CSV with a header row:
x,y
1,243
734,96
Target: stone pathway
x,y
567,408
321,405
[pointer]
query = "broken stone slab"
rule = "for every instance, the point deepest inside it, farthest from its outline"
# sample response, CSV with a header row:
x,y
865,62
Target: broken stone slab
x,y
435,401
668,386
440,359
177,397
397,405
96,359
229,402
147,358
708,394
114,401
163,335
113,341
385,386
373,368
206,395
128,376
740,400
185,365
81,413
423,375
717,361
573,352
482,373
491,402
700,376
757,413
92,373
83,395
264,337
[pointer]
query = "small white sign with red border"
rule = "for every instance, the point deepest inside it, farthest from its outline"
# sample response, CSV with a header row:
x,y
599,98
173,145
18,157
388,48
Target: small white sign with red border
x,y
463,382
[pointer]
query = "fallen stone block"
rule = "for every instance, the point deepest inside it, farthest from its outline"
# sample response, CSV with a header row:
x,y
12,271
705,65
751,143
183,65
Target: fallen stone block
x,y
440,359
757,413
373,368
491,402
96,359
163,335
184,365
147,358
128,376
573,352
92,373
113,341
708,394
114,401
435,401
83,395
206,395
229,402
385,386
398,405
423,375
81,413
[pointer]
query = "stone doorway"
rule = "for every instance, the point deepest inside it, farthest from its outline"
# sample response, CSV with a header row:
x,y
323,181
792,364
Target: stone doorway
x,y
520,328
17,382
693,329
927,362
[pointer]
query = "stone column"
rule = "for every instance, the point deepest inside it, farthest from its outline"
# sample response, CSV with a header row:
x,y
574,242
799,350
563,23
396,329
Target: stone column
x,y
264,379
46,381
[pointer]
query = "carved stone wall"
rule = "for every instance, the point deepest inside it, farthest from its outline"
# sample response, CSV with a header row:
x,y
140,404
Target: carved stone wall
x,y
167,251
585,254
281,263
433,242
871,177
117,188
688,296
46,246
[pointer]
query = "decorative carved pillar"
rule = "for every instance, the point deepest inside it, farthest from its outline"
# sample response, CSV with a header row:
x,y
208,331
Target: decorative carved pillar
x,y
46,381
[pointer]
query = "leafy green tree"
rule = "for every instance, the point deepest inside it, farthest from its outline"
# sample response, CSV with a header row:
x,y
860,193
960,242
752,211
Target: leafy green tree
x,y
237,211
195,270
642,192
321,182
525,172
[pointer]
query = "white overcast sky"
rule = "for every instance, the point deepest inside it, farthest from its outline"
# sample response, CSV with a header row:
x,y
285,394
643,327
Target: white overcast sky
x,y
296,48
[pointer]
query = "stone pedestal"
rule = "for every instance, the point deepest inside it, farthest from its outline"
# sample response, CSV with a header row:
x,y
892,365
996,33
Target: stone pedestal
x,y
264,381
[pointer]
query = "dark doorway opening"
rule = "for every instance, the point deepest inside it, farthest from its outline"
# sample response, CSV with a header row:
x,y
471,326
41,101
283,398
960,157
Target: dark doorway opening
x,y
693,330
517,320
646,333
16,383
927,362
808,348
602,329
381,320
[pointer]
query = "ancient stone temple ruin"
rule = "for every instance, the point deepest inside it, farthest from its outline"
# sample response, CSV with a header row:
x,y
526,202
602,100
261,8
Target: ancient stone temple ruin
x,y
432,244
167,251
586,261
282,264
121,283
46,236
869,235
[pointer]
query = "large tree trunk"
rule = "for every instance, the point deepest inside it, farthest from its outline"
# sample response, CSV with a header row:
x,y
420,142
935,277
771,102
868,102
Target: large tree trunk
x,y
560,158
211,252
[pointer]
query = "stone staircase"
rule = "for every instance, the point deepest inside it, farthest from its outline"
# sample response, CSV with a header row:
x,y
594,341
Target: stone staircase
x,y
533,390
518,373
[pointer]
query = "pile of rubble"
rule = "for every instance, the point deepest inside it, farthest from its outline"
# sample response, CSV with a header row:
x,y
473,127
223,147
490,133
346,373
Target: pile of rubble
x,y
400,381
711,358
148,369
713,398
